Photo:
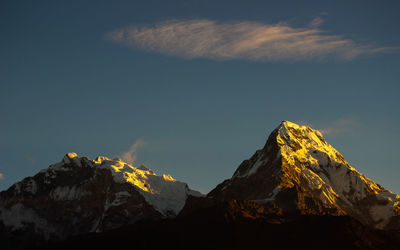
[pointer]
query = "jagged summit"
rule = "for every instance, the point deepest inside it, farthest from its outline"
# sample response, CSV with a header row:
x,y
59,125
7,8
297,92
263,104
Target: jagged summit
x,y
299,171
302,139
80,195
163,192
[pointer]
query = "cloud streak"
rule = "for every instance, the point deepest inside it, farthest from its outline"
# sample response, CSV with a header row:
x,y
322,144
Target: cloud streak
x,y
131,154
318,21
242,40
340,126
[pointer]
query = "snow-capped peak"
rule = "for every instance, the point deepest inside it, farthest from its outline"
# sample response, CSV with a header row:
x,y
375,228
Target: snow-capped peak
x,y
166,194
80,195
297,159
304,139
308,160
303,148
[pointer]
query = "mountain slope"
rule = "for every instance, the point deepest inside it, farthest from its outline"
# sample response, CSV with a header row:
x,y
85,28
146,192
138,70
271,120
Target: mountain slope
x,y
206,223
300,172
79,195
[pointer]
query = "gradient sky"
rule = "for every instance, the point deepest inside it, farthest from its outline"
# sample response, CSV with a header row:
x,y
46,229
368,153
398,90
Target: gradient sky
x,y
195,87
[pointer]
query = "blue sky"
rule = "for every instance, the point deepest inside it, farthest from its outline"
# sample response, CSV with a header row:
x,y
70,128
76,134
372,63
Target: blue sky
x,y
197,85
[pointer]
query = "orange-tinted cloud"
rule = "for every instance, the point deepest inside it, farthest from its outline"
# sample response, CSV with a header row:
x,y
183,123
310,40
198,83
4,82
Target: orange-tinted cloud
x,y
242,40
131,154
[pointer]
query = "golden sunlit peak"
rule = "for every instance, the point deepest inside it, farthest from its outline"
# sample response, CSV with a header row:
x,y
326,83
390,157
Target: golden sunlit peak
x,y
290,124
308,158
100,159
304,129
71,155
68,158
168,177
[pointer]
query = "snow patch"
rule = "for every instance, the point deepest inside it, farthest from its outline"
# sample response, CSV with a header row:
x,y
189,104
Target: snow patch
x,y
253,169
274,192
68,193
256,166
120,198
19,216
271,196
381,214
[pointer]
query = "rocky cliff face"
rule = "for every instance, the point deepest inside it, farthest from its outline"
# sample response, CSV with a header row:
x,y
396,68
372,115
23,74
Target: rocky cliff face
x,y
298,171
79,195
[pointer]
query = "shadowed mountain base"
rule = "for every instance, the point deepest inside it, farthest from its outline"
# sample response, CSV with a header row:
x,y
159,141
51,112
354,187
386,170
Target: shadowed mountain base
x,y
238,225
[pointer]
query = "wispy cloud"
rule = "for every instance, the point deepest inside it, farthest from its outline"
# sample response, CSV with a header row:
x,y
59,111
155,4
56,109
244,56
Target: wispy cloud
x,y
242,40
340,126
131,154
318,21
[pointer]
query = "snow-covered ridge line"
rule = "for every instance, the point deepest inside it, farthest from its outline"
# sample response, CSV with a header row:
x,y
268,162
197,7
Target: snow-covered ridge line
x,y
164,193
79,195
303,145
305,153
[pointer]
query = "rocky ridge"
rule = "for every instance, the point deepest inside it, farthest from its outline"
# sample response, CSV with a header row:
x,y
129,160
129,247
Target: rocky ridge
x,y
79,195
299,171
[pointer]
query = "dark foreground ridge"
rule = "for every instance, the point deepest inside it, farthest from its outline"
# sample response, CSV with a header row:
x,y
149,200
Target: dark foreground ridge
x,y
238,225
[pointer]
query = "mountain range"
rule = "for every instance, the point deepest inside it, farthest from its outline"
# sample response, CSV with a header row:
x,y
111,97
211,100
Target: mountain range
x,y
297,191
